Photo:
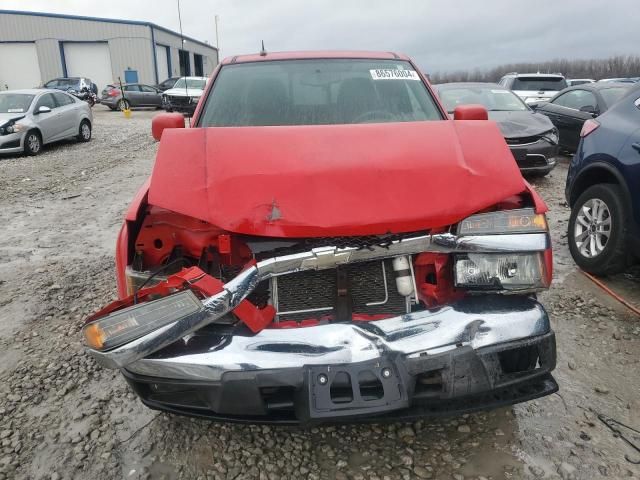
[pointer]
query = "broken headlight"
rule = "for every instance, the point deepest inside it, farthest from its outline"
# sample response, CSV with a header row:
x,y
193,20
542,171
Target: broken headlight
x,y
131,323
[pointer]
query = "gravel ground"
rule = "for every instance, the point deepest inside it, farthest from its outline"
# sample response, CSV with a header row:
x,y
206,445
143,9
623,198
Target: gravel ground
x,y
63,417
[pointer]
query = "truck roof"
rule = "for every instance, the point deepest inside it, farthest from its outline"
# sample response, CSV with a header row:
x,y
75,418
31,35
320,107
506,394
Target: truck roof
x,y
303,55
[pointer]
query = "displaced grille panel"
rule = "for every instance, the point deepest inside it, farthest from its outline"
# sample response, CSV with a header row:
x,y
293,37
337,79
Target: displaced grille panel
x,y
307,244
372,291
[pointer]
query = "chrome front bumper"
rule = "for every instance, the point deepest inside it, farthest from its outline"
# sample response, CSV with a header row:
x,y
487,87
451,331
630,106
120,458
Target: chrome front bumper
x,y
476,323
244,283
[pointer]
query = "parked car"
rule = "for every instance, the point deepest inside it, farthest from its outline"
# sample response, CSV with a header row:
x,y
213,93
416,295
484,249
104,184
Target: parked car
x,y
184,95
603,190
341,264
569,109
75,84
32,118
534,88
579,81
167,84
532,138
135,95
619,80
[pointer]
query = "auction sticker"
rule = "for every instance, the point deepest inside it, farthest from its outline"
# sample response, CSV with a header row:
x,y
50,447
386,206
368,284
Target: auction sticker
x,y
391,74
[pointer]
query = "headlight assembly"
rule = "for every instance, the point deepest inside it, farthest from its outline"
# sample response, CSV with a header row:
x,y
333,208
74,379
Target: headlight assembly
x,y
506,272
523,220
551,136
516,272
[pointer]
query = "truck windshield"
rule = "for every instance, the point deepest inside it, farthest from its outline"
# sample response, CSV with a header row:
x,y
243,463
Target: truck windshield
x,y
318,92
548,84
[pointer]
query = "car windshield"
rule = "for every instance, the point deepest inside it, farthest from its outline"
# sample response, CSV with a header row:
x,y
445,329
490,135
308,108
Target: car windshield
x,y
318,92
612,95
545,84
15,102
493,98
191,83
65,83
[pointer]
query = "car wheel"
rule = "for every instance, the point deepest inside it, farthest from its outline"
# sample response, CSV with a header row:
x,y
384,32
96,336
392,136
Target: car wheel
x,y
123,104
32,143
597,230
84,132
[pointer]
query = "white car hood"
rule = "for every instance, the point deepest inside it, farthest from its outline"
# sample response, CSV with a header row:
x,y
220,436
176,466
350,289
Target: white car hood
x,y
182,92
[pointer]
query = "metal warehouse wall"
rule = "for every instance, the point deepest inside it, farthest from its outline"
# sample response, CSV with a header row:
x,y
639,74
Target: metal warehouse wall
x,y
130,45
209,54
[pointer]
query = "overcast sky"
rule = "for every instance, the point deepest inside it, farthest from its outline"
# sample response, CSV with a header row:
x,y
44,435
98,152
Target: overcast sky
x,y
440,35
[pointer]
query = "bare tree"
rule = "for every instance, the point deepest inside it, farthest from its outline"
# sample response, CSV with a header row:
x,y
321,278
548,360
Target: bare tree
x,y
615,66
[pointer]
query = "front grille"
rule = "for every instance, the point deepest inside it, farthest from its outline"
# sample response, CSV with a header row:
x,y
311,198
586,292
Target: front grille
x,y
532,161
306,244
371,290
180,101
522,140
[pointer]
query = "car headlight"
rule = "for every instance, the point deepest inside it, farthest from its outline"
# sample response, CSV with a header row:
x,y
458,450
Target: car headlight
x,y
551,136
516,272
497,271
13,128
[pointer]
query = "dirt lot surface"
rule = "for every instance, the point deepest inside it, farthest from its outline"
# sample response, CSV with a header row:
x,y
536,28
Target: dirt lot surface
x,y
62,417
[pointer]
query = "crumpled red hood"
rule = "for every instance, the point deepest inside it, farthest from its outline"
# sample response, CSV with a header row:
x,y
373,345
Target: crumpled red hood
x,y
331,180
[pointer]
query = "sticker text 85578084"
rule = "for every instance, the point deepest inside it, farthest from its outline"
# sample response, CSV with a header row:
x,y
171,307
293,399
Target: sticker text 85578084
x,y
391,74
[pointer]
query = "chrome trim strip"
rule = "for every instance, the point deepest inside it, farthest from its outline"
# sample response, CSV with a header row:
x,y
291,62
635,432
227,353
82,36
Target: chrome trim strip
x,y
476,322
246,281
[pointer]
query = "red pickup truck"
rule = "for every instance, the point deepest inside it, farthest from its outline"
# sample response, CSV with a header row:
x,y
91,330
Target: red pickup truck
x,y
325,244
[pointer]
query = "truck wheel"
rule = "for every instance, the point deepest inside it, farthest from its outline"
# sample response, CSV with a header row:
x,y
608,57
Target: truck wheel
x,y
32,143
597,230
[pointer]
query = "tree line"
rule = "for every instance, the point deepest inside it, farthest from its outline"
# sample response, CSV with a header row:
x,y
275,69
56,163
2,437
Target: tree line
x,y
596,68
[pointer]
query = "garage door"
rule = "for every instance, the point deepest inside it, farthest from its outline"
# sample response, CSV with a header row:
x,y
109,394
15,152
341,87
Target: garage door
x,y
91,60
24,71
162,60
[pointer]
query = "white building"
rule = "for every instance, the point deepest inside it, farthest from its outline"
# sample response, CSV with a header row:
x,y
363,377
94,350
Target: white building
x,y
37,47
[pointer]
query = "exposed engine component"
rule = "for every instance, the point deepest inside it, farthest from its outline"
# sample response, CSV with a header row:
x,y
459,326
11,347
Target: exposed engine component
x,y
404,277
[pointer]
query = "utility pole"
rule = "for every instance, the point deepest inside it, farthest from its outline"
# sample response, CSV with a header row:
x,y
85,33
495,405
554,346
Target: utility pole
x,y
217,39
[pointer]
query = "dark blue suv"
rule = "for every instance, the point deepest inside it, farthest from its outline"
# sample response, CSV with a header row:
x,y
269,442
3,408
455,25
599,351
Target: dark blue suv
x,y
603,190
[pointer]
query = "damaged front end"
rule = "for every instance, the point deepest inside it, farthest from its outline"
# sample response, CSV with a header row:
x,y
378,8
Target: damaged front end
x,y
294,330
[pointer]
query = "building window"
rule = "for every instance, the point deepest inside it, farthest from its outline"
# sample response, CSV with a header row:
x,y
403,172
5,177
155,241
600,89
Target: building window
x,y
185,64
197,65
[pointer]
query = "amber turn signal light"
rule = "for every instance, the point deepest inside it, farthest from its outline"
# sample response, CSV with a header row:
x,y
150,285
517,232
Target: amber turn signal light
x,y
131,323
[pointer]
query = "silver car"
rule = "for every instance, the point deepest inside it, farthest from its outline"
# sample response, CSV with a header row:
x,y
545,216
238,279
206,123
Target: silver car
x,y
32,118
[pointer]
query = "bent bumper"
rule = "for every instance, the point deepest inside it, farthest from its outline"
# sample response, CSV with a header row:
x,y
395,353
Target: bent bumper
x,y
477,353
